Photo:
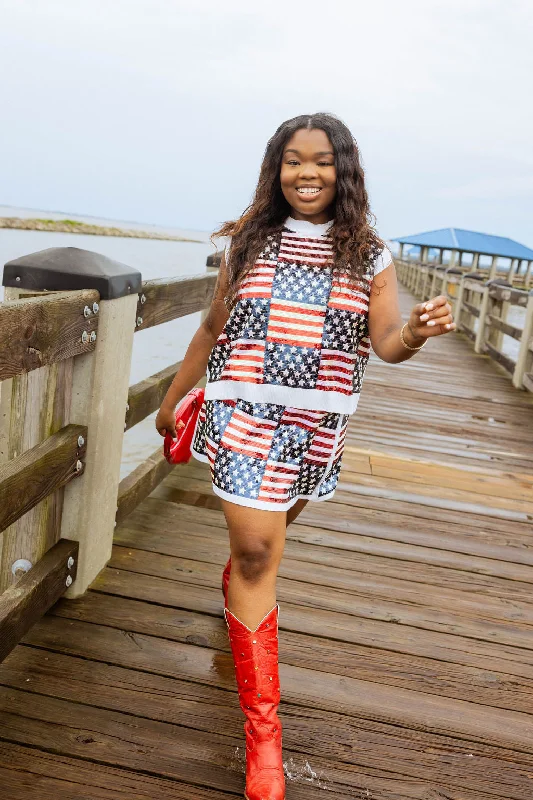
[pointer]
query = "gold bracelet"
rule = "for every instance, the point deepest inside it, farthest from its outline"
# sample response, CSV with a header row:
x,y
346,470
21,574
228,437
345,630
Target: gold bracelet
x,y
408,346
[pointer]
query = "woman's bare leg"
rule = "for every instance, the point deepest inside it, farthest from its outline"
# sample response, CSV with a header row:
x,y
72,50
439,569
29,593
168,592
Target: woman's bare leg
x,y
294,510
257,539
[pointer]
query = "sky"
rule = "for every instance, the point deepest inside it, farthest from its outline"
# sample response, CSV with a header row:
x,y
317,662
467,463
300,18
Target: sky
x,y
159,110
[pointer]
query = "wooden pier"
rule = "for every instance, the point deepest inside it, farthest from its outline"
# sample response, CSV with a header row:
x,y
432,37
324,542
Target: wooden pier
x,y
406,627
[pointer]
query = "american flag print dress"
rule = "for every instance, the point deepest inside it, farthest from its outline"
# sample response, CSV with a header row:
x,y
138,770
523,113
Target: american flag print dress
x,y
285,374
267,456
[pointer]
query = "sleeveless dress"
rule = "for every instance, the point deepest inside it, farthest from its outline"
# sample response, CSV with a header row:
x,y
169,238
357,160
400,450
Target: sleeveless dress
x,y
285,374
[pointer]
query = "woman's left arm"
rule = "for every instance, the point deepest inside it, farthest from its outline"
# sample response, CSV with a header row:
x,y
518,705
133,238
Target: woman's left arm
x,y
432,318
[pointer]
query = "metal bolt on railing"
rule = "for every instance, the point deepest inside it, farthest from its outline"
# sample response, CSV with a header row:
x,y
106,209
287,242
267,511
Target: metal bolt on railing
x,y
92,337
96,308
139,320
85,337
143,299
81,441
68,580
21,565
79,466
87,312
70,562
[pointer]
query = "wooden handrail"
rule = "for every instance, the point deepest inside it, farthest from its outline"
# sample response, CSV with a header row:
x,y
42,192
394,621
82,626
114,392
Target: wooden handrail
x,y
147,395
167,299
42,330
36,473
30,598
473,297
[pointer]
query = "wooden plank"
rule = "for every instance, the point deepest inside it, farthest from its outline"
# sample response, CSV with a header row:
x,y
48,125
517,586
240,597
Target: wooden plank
x,y
505,327
23,604
371,598
208,708
42,330
27,772
141,482
307,687
516,297
470,308
32,476
506,361
468,332
147,395
170,298
204,758
430,675
197,540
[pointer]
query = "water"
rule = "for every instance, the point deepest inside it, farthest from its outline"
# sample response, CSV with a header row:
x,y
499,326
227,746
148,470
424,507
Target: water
x,y
153,349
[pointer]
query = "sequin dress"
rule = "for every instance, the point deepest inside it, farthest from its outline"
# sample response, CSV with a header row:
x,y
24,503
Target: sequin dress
x,y
285,374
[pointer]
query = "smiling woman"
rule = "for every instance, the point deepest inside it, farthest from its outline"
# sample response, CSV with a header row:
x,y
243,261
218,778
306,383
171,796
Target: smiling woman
x,y
308,176
303,290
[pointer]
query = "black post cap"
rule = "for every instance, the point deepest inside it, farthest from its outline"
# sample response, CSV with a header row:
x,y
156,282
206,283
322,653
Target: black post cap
x,y
67,268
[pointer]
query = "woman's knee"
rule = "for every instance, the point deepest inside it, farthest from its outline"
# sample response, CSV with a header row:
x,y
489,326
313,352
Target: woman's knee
x,y
254,558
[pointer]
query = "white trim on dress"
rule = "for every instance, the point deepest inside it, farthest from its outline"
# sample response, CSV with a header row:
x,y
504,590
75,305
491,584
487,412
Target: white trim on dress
x,y
292,397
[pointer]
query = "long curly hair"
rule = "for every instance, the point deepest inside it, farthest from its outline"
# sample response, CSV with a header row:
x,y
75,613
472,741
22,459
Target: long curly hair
x,y
355,241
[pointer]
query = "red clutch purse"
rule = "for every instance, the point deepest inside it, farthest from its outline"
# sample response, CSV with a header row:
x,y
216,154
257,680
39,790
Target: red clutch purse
x,y
178,450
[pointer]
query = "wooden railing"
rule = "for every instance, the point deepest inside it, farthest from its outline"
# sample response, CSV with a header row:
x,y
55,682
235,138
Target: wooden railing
x,y
481,309
65,403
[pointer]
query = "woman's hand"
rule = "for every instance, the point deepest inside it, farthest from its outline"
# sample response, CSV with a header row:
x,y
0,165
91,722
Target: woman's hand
x,y
165,422
432,318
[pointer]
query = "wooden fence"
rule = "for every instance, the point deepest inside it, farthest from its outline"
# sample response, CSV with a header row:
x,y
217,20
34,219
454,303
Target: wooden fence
x,y
482,310
66,336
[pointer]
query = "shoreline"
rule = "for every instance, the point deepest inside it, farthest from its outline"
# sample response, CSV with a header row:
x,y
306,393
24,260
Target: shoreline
x,y
73,226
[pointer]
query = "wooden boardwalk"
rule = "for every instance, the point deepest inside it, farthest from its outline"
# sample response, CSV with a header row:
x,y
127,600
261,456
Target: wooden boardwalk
x,y
406,622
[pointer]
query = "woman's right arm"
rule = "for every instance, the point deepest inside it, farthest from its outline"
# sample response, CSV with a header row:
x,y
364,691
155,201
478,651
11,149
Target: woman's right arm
x,y
194,364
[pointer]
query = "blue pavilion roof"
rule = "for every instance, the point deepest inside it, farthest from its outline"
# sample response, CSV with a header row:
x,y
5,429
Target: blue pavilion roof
x,y
469,242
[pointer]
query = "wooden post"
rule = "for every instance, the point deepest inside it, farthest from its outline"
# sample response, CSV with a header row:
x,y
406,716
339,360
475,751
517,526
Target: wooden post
x,y
483,310
499,308
424,254
459,301
441,256
460,259
400,253
512,270
527,276
453,254
493,268
524,362
475,262
212,265
33,406
98,389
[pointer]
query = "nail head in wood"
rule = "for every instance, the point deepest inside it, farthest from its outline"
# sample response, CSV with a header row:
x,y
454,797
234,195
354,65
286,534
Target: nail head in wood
x,y
21,565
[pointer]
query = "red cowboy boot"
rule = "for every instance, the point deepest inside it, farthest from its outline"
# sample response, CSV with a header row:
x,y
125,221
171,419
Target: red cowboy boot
x,y
255,654
225,581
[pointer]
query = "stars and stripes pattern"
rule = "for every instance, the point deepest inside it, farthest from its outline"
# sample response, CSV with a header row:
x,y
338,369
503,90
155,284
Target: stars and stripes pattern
x,y
265,455
297,323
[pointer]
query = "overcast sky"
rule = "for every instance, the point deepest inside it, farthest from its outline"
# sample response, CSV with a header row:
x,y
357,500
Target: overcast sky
x,y
159,110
